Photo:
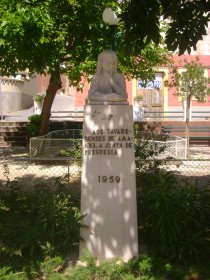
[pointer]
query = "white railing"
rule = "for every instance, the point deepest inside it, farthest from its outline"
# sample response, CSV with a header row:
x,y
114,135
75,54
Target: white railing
x,y
171,146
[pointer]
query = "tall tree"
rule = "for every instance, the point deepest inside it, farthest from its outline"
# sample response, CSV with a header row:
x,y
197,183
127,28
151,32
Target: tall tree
x,y
63,37
45,36
188,84
187,20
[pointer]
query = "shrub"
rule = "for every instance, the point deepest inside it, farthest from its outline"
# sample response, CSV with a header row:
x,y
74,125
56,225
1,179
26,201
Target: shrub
x,y
146,148
75,152
33,127
47,269
174,217
38,224
135,268
6,273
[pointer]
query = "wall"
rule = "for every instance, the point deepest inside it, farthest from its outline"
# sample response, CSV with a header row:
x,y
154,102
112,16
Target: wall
x,y
17,95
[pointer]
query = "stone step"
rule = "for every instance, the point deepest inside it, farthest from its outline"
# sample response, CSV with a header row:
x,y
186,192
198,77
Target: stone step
x,y
3,144
5,129
14,138
13,144
12,123
13,134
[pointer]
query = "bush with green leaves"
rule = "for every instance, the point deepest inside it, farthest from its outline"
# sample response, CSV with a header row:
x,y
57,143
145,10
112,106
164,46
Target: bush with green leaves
x,y
146,147
75,152
174,217
33,126
6,273
49,269
37,224
143,268
136,268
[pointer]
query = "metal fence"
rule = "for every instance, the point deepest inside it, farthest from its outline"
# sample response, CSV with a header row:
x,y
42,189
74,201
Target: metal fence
x,y
37,174
173,147
54,144
47,173
51,145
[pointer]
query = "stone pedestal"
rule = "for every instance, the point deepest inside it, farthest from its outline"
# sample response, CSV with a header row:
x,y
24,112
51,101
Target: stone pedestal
x,y
108,197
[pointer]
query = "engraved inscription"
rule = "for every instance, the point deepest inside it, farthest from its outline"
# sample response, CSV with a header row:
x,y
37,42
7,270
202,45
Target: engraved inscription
x,y
107,141
109,179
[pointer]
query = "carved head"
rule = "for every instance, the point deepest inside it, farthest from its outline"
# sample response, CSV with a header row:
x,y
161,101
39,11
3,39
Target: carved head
x,y
107,61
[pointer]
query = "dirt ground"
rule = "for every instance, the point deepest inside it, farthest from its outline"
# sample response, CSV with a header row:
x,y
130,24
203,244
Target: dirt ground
x,y
199,152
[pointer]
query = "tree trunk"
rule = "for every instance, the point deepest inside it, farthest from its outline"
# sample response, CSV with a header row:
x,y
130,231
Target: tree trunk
x,y
54,85
187,124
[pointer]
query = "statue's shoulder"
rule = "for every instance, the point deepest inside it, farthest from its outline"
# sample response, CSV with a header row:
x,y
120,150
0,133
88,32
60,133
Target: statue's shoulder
x,y
118,76
97,75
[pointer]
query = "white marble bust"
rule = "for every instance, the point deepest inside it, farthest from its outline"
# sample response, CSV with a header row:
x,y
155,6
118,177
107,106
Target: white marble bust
x,y
107,84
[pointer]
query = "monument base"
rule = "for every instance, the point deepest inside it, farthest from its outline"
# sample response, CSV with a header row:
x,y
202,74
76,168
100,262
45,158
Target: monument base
x,y
108,195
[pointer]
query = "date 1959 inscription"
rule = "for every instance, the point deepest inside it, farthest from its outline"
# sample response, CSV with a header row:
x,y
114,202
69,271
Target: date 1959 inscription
x,y
109,179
